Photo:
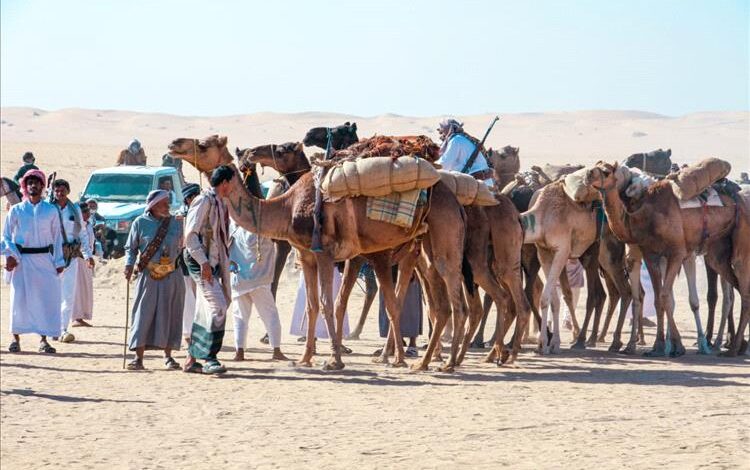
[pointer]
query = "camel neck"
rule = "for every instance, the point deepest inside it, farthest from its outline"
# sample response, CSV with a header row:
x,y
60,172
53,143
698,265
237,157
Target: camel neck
x,y
293,175
617,215
267,218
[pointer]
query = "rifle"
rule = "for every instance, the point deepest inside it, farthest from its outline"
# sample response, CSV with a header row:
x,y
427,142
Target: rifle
x,y
50,193
475,153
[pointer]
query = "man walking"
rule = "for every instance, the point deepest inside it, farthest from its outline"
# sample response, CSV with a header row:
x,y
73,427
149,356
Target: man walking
x,y
207,245
32,246
77,254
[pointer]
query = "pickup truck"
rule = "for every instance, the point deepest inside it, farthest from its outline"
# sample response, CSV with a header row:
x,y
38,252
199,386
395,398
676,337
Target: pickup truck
x,y
121,194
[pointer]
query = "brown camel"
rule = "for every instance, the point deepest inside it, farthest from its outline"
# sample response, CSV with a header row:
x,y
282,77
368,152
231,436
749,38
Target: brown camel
x,y
290,161
498,225
662,230
346,234
505,164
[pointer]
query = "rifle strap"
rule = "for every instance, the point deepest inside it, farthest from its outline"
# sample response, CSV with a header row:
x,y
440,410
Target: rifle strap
x,y
154,245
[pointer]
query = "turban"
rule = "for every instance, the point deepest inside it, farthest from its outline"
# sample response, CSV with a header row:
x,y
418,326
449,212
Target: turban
x,y
154,197
34,174
190,189
134,147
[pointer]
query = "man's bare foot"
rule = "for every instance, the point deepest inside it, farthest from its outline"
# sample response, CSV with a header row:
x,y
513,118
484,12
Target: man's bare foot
x,y
278,355
82,323
239,355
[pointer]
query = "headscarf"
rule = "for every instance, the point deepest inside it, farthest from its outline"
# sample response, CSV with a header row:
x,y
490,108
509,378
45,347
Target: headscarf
x,y
450,126
134,147
33,173
190,189
154,197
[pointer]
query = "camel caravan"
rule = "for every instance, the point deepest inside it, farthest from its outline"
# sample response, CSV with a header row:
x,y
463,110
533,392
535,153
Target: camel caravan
x,y
475,241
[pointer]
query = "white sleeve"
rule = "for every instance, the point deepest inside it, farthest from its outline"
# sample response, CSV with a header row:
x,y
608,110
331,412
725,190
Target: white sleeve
x,y
7,245
196,217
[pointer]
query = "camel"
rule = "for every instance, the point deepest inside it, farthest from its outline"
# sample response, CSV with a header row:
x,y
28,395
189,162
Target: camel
x,y
501,223
290,161
505,164
341,136
11,191
662,231
346,233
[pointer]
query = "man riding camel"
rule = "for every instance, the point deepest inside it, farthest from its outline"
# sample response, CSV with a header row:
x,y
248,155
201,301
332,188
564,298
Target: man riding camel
x,y
457,150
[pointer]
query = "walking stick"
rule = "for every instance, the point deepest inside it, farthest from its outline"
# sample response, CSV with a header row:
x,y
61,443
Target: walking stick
x,y
127,319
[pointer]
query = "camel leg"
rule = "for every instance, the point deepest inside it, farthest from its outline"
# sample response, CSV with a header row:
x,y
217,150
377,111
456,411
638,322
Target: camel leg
x,y
310,271
283,248
673,263
613,299
594,295
438,311
325,277
349,278
371,290
552,263
712,297
476,312
727,305
514,285
478,341
688,266
741,268
654,270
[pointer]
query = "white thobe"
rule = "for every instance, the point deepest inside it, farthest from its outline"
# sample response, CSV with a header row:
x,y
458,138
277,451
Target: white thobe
x,y
456,154
83,308
35,284
251,285
72,298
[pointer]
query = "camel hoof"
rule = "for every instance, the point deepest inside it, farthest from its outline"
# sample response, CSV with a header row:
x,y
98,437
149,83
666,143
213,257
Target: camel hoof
x,y
398,364
437,358
333,365
307,363
591,343
615,346
656,351
629,349
380,360
446,368
578,345
419,367
554,348
601,339
677,350
703,347
642,342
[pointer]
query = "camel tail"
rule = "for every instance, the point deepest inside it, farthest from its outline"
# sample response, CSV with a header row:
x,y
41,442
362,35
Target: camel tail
x,y
468,275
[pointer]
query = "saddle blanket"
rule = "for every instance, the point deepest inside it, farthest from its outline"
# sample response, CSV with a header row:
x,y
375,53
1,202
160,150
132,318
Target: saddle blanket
x,y
396,208
710,196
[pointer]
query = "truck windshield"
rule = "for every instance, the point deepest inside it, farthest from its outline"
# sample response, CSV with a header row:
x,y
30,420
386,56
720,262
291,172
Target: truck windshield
x,y
128,188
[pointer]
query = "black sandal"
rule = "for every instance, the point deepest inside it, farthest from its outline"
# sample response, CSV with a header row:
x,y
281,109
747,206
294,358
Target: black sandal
x,y
195,368
171,364
135,364
14,347
46,348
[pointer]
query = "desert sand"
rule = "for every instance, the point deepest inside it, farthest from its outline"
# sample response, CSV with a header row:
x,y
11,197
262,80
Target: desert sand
x,y
79,409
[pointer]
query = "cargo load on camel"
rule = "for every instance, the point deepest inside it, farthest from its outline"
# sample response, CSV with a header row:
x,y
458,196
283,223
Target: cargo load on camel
x,y
691,181
468,190
391,146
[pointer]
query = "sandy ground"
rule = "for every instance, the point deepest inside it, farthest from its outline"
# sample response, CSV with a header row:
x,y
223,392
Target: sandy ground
x,y
591,408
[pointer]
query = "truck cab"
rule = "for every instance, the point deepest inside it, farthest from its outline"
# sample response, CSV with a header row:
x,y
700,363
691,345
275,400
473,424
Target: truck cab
x,y
121,194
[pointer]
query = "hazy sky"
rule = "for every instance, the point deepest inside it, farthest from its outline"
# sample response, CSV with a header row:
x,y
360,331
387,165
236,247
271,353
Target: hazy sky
x,y
372,57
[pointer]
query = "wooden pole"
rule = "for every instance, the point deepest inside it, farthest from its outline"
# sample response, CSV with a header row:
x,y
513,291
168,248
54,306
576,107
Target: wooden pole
x,y
127,320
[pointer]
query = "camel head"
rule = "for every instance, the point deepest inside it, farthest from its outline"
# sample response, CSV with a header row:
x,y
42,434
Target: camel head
x,y
284,158
602,176
506,160
205,154
342,136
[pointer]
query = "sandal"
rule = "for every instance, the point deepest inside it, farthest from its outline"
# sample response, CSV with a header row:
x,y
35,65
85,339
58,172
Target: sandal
x,y
46,348
195,368
345,350
14,347
214,367
135,364
67,337
411,351
264,339
171,364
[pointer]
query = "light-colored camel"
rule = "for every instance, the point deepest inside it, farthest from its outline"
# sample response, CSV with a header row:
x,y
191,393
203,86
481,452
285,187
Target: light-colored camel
x,y
505,163
497,275
9,190
666,236
346,234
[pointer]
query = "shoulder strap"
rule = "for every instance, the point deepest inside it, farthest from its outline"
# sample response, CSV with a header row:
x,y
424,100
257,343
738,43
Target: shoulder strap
x,y
151,248
62,224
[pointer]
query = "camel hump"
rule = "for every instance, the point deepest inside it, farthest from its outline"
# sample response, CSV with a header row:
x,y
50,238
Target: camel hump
x,y
691,181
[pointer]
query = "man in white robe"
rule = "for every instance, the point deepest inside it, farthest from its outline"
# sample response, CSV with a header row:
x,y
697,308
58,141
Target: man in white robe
x,y
457,148
84,310
252,263
73,231
32,246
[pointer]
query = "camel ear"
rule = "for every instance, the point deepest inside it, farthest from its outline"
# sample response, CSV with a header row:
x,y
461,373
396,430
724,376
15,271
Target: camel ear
x,y
669,152
222,141
299,147
615,165
237,151
354,126
518,149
